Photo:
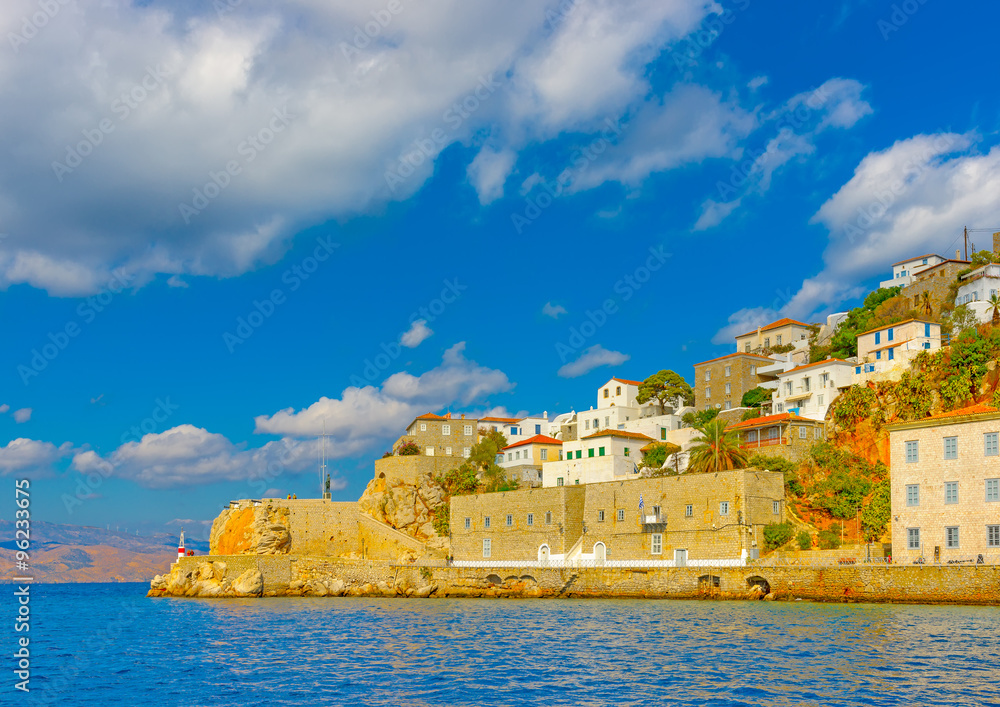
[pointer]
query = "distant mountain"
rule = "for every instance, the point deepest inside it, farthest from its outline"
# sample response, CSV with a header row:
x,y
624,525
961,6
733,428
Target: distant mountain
x,y
80,553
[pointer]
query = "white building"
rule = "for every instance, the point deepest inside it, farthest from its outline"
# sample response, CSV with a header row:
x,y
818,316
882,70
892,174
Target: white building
x,y
602,456
904,270
518,429
884,353
807,391
976,289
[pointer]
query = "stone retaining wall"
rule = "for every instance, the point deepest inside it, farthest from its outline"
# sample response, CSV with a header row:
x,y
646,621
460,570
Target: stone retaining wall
x,y
894,583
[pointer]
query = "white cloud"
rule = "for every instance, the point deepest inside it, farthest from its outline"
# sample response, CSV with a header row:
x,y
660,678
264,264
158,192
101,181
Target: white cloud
x,y
908,199
713,212
553,310
489,171
176,281
364,417
594,357
756,82
28,456
22,415
743,321
336,120
4,408
416,334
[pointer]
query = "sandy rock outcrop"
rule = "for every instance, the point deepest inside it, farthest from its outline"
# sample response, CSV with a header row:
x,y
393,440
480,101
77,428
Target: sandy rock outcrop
x,y
207,580
251,530
410,508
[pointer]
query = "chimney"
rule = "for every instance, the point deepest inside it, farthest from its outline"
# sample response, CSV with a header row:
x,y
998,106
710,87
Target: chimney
x,y
463,415
958,253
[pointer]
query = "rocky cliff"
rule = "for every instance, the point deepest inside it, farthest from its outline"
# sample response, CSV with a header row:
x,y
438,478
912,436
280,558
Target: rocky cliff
x,y
251,529
409,508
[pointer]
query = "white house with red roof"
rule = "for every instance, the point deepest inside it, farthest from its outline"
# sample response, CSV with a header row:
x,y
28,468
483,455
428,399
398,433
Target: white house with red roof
x,y
886,351
525,460
605,455
808,390
904,270
518,429
783,332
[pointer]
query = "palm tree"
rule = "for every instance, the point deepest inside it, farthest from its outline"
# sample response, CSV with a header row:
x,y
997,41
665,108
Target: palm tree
x,y
927,304
995,303
716,450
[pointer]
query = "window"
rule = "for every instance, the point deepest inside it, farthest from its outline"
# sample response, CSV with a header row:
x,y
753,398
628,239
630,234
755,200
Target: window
x,y
857,370
951,492
656,546
891,354
618,390
531,519
788,388
753,370
724,508
889,335
951,536
927,345
951,447
576,482
548,514
544,454
924,262
510,520
776,507
729,371
993,536
913,538
429,451
510,456
578,453
708,392
513,431
595,424
600,516
486,522
878,355
559,481
487,549
663,433
727,405
590,452
586,424
446,429
780,407
626,451
447,450
600,451
729,388
819,399
803,431
990,443
423,426
927,331
466,451
538,429
767,342
806,384
992,490
656,510
605,393
912,455
708,376
817,433
824,380
607,421
468,523
913,494
468,430
621,515
878,338
688,510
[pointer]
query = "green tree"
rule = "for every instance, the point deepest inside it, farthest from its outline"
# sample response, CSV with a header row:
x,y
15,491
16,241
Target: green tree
x,y
777,534
697,419
804,539
716,449
844,342
663,387
657,454
876,514
995,304
961,319
480,471
407,449
926,301
753,398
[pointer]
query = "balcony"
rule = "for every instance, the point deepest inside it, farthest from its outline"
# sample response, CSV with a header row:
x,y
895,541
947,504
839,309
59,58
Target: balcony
x,y
653,522
770,442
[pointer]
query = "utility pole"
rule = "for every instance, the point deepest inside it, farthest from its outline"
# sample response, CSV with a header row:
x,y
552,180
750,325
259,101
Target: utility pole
x,y
966,232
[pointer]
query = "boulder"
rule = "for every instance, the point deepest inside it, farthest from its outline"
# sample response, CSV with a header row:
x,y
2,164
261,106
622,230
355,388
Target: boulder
x,y
159,583
250,583
336,587
206,571
317,589
296,584
424,592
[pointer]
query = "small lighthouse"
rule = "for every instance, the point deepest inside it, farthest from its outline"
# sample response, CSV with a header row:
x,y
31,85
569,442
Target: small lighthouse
x,y
180,546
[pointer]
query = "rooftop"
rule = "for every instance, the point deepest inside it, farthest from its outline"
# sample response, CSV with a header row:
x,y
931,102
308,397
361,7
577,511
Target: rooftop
x,y
537,439
977,409
500,419
966,414
919,257
818,363
627,381
889,326
619,433
738,353
770,420
775,325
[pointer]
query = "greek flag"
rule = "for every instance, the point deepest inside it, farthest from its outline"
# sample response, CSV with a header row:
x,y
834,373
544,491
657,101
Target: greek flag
x,y
641,504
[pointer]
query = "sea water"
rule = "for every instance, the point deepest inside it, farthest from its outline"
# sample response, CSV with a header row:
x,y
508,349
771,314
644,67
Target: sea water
x,y
107,644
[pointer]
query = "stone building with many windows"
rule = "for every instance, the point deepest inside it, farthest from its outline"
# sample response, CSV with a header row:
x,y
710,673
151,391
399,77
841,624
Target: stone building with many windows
x,y
721,382
782,333
677,519
945,472
441,435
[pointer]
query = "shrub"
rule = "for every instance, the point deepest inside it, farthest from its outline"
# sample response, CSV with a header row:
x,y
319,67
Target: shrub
x,y
854,405
829,540
407,449
753,398
777,534
804,540
442,521
875,516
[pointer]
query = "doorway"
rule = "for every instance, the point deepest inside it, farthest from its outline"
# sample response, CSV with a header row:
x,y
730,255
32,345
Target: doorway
x,y
680,558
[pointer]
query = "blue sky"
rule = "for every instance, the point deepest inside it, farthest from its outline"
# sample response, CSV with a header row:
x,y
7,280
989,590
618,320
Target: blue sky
x,y
222,225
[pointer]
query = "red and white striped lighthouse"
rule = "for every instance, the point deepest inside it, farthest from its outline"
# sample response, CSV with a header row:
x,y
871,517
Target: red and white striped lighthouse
x,y
180,546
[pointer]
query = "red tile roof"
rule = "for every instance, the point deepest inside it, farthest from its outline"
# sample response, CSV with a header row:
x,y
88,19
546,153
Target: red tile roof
x,y
432,416
919,257
770,420
818,363
775,325
977,409
895,324
738,353
619,433
537,439
500,419
625,380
